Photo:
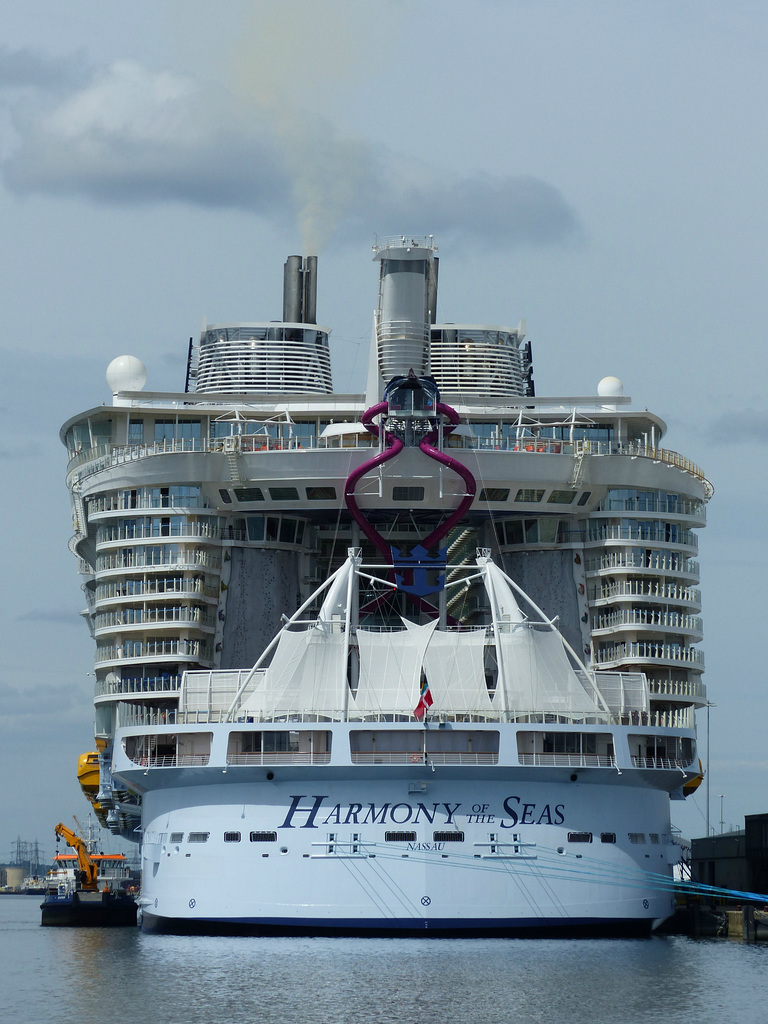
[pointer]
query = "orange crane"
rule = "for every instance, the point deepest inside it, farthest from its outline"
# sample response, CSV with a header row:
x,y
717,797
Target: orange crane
x,y
87,867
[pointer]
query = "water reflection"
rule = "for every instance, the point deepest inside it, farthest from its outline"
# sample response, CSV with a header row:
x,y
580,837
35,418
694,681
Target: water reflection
x,y
71,975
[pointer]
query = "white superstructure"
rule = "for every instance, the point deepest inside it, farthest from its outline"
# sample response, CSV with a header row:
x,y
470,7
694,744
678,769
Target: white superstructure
x,y
418,749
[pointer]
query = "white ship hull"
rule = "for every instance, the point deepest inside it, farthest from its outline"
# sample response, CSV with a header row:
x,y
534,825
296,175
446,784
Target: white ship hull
x,y
407,850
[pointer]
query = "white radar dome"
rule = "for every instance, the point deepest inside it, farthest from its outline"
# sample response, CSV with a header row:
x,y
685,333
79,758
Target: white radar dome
x,y
610,387
126,373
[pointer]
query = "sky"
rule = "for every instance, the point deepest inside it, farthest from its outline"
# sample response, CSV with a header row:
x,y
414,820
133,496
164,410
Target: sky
x,y
597,168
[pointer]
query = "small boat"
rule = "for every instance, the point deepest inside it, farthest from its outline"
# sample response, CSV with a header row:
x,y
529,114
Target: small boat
x,y
87,890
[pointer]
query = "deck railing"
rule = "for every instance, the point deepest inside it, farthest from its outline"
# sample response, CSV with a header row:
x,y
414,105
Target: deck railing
x,y
105,456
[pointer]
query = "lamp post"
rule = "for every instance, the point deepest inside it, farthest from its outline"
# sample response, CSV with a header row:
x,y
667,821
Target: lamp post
x,y
706,774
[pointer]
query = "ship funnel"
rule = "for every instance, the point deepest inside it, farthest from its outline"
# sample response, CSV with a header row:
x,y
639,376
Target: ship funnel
x,y
406,308
300,290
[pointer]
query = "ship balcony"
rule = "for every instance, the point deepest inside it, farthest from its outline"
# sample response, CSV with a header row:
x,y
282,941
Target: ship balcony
x,y
682,690
602,594
100,458
664,622
124,593
129,560
641,563
665,763
567,760
650,654
103,507
108,539
133,620
431,757
141,687
169,749
156,651
666,540
672,508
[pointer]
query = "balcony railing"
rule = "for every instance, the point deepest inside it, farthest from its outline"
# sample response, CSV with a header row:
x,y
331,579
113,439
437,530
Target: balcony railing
x,y
112,534
639,562
649,590
568,760
186,650
152,587
106,456
170,760
649,652
635,535
436,757
121,502
656,506
650,620
665,763
279,757
145,685
682,689
155,616
135,559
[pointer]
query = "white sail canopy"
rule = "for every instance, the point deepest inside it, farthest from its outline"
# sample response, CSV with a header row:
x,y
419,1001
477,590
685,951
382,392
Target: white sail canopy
x,y
308,674
390,669
536,675
454,664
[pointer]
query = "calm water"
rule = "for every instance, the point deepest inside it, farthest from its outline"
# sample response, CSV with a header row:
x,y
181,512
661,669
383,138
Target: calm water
x,y
69,975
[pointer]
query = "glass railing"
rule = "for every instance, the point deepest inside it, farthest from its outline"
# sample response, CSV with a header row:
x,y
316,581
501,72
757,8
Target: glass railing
x,y
94,460
153,616
649,590
162,588
679,538
649,652
187,650
649,619
143,685
638,561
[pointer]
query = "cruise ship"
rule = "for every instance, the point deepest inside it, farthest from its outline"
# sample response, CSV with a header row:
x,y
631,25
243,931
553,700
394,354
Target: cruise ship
x,y
418,661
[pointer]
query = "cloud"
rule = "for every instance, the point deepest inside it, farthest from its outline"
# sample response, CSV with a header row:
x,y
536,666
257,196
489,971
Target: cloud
x,y
129,135
750,426
21,69
62,618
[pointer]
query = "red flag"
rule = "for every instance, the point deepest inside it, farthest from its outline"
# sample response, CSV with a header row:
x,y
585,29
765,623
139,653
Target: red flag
x,y
425,699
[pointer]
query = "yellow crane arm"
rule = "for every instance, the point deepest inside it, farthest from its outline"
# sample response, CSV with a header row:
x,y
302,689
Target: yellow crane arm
x,y
84,862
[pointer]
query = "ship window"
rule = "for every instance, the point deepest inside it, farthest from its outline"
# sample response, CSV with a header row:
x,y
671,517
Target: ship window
x,y
283,494
548,530
198,837
249,494
494,494
607,837
226,497
164,430
176,837
654,837
135,431
561,497
579,837
287,531
448,837
231,837
636,837
529,494
255,527
407,494
263,837
584,497
321,493
400,837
